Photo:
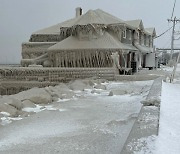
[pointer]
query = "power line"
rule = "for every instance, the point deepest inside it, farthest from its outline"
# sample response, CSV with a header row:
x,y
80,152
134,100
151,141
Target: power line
x,y
163,33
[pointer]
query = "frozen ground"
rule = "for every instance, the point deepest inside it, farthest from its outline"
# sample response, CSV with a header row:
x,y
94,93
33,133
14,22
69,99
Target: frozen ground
x,y
168,139
87,123
97,121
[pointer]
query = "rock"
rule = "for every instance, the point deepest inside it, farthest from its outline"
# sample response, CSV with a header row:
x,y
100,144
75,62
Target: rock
x,y
49,90
62,86
110,93
68,95
152,102
100,86
55,98
95,91
119,92
78,85
25,114
9,109
99,81
35,95
88,82
15,103
12,101
28,104
1,115
61,91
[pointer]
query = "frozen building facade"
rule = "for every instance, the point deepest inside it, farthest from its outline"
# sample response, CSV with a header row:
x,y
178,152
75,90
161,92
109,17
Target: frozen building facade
x,y
91,44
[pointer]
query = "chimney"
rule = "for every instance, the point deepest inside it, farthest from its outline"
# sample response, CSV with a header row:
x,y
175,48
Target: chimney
x,y
78,12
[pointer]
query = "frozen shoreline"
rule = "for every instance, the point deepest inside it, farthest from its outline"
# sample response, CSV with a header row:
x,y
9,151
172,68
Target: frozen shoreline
x,y
89,119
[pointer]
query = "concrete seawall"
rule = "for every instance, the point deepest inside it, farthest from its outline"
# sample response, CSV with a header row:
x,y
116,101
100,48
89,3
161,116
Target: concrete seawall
x,y
147,123
136,77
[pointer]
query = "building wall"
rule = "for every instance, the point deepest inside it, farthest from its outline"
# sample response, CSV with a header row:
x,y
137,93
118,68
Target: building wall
x,y
31,50
45,38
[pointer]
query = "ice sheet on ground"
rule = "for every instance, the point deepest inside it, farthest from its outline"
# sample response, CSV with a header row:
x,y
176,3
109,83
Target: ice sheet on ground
x,y
35,131
98,114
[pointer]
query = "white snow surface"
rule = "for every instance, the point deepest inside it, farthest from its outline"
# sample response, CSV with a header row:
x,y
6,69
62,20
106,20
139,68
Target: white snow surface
x,y
168,140
97,114
146,145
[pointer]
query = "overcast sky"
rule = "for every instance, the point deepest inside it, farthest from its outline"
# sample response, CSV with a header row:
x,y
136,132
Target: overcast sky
x,y
20,18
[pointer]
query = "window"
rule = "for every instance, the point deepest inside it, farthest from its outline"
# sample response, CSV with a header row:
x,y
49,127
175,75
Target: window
x,y
130,35
124,33
145,39
150,42
140,37
137,35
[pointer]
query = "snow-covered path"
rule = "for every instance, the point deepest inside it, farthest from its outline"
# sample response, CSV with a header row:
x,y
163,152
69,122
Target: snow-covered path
x,y
168,141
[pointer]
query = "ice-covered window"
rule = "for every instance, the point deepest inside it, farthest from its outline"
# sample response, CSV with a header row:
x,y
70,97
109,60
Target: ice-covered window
x,y
124,33
145,39
129,34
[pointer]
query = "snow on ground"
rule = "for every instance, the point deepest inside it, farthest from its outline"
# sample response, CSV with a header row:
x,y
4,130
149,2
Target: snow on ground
x,y
144,145
170,69
90,122
168,141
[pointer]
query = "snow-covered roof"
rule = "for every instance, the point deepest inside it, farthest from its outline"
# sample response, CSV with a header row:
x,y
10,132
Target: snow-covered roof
x,y
135,23
143,48
97,16
151,31
108,18
55,29
92,16
106,41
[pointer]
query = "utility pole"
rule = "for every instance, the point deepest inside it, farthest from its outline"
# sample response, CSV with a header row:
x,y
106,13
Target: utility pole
x,y
172,38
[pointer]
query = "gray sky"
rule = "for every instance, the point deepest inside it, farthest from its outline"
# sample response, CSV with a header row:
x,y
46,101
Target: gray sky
x,y
19,18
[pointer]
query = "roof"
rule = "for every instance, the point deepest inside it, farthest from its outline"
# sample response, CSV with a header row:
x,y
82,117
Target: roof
x,y
151,31
55,29
143,48
106,41
135,23
91,17
108,18
97,17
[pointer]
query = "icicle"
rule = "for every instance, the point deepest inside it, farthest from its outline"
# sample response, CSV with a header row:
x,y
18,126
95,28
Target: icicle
x,y
97,59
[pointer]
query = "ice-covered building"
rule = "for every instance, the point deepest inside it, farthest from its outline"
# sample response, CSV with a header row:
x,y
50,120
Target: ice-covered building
x,y
95,43
88,40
